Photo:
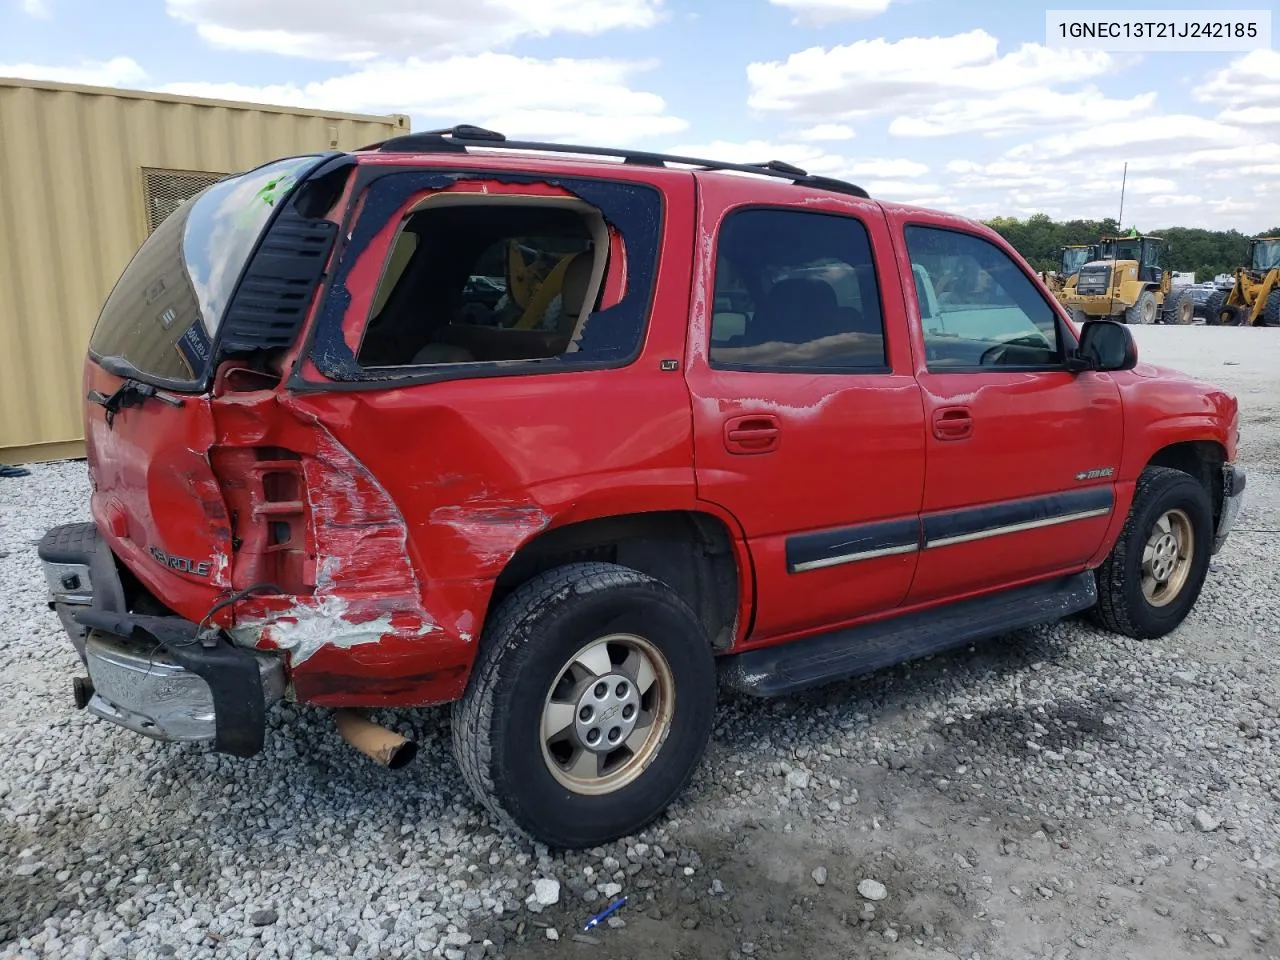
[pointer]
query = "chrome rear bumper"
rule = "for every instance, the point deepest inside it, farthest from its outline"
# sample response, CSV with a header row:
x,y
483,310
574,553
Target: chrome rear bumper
x,y
154,675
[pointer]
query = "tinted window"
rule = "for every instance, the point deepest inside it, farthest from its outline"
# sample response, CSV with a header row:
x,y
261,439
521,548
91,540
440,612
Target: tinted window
x,y
796,291
978,306
166,307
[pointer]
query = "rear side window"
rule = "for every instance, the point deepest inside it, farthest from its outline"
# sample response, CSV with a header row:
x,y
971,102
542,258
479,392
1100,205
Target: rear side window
x,y
796,291
499,280
978,307
477,281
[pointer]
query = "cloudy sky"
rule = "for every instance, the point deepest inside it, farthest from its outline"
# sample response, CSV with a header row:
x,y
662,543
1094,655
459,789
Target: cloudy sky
x,y
950,103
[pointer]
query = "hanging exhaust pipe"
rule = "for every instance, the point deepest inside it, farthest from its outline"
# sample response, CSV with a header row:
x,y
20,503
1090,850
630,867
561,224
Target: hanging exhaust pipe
x,y
382,746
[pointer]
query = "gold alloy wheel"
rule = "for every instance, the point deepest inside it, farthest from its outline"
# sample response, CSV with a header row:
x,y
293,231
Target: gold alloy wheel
x,y
607,714
1166,558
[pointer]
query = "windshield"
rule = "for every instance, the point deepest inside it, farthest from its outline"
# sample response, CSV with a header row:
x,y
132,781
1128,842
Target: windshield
x,y
1073,259
1266,254
1121,249
161,317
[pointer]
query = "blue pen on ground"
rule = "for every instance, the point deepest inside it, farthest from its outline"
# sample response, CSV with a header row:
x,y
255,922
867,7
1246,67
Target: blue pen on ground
x,y
600,917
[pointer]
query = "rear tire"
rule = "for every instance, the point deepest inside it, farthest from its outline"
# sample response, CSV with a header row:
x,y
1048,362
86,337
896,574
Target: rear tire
x,y
1144,310
1154,573
588,653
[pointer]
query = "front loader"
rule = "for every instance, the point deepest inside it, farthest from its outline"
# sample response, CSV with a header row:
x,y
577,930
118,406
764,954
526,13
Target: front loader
x,y
1126,282
1254,298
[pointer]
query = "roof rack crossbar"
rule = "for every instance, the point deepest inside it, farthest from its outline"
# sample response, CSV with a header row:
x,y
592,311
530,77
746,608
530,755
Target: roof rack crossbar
x,y
459,138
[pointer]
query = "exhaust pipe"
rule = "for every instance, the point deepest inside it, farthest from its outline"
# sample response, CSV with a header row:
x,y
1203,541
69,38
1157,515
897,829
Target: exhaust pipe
x,y
384,747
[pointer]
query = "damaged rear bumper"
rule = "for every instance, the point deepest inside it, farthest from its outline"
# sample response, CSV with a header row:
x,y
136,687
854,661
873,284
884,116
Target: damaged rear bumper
x,y
155,675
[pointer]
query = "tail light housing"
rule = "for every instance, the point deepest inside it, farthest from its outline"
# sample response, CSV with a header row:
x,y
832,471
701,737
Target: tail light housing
x,y
265,493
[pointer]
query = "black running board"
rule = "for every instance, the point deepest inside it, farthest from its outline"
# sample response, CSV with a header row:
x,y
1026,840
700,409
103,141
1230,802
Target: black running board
x,y
791,667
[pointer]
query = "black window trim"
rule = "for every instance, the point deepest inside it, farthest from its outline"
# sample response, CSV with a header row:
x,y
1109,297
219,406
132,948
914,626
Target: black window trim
x,y
391,378
1066,339
885,369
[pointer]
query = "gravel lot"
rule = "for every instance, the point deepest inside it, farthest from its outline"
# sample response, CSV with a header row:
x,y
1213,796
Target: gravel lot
x,y
1056,793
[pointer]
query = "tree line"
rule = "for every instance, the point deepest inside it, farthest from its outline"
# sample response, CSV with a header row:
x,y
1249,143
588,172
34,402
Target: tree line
x,y
1208,252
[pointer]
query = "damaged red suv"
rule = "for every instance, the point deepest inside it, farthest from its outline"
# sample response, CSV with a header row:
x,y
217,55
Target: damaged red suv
x,y
560,434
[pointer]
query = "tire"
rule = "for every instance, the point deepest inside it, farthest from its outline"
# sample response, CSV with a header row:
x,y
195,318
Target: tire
x,y
1271,312
1078,317
1144,310
1178,308
530,641
1212,307
1124,606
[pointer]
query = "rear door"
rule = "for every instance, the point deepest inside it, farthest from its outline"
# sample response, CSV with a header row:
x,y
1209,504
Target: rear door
x,y
1022,453
808,424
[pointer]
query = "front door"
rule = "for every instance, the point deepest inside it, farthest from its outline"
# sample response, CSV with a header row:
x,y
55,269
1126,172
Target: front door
x,y
1022,454
807,419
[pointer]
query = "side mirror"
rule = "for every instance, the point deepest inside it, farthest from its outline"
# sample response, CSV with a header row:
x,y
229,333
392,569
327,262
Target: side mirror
x,y
1105,345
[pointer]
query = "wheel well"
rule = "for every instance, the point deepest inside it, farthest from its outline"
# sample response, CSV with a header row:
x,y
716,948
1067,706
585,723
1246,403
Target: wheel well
x,y
690,552
1201,459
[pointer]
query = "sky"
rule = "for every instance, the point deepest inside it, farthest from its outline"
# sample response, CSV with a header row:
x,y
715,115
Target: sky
x,y
953,104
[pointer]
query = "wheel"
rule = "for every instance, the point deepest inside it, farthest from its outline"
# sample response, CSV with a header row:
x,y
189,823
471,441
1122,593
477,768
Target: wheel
x,y
1233,315
1213,308
1154,573
589,707
1178,308
1078,316
1271,312
1144,311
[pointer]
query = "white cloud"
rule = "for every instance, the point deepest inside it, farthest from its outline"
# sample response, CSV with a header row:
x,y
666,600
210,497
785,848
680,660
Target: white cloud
x,y
1022,108
1251,80
826,132
116,72
342,30
829,11
1166,138
584,100
814,159
879,76
36,8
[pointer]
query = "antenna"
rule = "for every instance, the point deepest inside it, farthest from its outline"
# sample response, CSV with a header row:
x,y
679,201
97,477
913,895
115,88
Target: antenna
x,y
1124,177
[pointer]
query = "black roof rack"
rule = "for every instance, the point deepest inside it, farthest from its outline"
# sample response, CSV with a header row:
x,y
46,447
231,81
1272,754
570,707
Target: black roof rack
x,y
458,139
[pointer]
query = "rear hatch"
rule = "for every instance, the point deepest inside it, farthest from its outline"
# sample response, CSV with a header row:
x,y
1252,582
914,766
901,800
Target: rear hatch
x,y
232,270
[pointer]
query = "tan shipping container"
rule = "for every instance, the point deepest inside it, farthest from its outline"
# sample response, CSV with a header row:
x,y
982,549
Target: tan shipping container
x,y
86,173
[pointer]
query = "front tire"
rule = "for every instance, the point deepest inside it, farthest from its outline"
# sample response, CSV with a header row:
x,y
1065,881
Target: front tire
x,y
1144,311
589,707
1178,308
1271,312
1213,308
1155,571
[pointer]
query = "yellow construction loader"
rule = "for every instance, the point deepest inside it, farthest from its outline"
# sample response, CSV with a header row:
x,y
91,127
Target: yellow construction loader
x,y
1254,300
1125,281
1071,258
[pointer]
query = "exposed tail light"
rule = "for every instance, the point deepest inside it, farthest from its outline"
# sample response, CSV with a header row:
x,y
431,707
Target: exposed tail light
x,y
265,493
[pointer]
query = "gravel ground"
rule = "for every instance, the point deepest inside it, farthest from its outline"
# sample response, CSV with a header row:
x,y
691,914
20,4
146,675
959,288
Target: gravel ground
x,y
1056,793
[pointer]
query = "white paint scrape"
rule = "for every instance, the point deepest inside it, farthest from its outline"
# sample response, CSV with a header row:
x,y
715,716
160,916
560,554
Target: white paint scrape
x,y
306,629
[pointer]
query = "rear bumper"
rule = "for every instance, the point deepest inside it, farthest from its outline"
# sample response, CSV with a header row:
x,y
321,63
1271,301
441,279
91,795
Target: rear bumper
x,y
153,675
1233,483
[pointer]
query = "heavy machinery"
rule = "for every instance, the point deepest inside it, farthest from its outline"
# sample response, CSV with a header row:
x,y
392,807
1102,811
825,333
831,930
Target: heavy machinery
x,y
1126,281
1254,298
1071,258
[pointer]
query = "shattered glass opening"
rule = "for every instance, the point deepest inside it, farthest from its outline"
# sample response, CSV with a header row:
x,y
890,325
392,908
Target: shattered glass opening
x,y
482,281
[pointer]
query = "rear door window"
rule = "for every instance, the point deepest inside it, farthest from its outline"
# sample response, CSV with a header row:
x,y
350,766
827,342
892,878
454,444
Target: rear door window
x,y
796,291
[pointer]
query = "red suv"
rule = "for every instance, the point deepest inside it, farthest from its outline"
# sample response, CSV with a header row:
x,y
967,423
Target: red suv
x,y
557,434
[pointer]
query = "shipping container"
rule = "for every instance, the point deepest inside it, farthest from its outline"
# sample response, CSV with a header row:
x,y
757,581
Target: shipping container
x,y
86,173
